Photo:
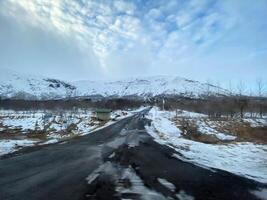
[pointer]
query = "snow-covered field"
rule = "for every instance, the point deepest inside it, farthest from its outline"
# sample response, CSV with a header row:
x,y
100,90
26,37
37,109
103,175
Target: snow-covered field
x,y
51,121
242,158
19,129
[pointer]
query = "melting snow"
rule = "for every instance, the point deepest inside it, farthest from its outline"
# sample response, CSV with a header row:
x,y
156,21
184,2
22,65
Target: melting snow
x,y
120,174
244,159
167,184
183,196
52,141
163,125
9,146
257,122
204,129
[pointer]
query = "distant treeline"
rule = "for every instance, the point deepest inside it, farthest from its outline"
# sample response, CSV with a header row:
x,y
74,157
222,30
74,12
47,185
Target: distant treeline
x,y
230,106
117,103
214,106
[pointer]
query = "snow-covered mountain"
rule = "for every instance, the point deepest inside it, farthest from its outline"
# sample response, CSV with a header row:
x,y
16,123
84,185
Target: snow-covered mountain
x,y
148,86
21,86
24,86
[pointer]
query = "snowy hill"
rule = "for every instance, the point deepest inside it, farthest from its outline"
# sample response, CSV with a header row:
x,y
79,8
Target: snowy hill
x,y
21,86
148,86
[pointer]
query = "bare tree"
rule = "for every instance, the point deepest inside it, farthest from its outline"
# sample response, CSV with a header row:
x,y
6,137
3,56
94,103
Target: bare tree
x,y
242,100
230,104
260,87
241,88
230,87
218,85
251,104
208,86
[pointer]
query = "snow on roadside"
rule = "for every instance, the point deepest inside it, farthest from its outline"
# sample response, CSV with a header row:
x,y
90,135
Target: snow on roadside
x,y
162,124
167,184
9,146
51,141
27,120
244,159
204,129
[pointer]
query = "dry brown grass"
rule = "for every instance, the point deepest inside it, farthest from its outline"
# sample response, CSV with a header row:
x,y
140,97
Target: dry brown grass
x,y
243,130
40,135
236,127
190,131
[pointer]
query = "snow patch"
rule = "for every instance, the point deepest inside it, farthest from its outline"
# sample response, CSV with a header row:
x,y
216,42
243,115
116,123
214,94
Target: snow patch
x,y
9,146
162,124
204,129
167,184
52,141
92,177
243,158
183,196
120,174
256,122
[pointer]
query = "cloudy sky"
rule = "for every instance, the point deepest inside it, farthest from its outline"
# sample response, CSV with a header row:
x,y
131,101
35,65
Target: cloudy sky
x,y
104,39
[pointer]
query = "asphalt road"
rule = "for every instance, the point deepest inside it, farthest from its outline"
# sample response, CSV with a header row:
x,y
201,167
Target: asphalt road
x,y
118,162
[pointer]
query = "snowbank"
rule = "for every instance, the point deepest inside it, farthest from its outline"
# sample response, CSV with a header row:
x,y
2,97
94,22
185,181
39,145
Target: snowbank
x,y
244,159
162,124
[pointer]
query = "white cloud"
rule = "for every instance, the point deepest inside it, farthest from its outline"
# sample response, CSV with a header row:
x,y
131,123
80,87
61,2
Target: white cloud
x,y
172,32
107,26
124,7
93,23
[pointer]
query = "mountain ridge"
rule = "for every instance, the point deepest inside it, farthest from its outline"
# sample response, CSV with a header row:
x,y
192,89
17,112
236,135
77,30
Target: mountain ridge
x,y
19,86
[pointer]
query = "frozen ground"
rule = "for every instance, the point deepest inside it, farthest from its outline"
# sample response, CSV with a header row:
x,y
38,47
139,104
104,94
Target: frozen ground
x,y
242,158
20,129
258,122
9,146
